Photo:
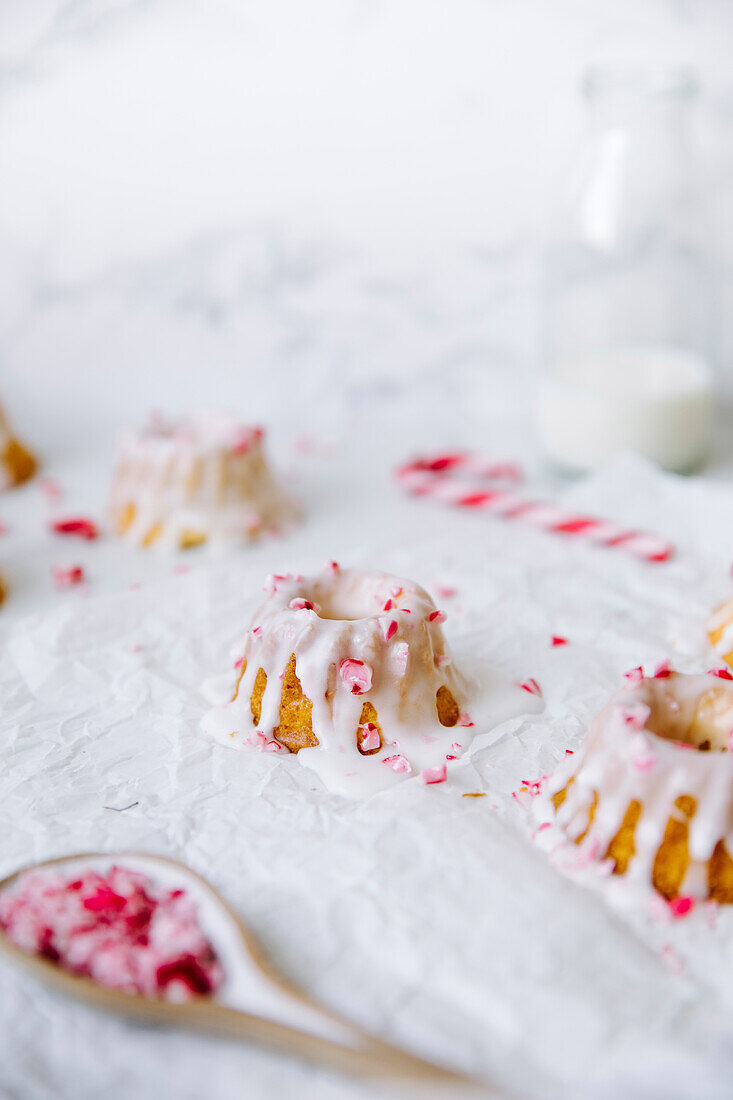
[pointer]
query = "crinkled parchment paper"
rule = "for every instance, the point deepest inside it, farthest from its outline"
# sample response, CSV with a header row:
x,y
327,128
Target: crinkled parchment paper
x,y
429,918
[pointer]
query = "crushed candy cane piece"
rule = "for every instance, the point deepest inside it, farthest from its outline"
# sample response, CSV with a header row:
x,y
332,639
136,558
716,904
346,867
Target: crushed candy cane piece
x,y
442,660
82,528
67,576
437,617
681,907
301,604
663,671
370,740
356,674
634,675
721,673
389,629
397,763
465,720
438,774
531,686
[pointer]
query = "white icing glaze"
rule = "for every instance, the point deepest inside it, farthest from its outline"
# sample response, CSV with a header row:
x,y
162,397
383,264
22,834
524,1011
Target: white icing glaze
x,y
720,630
643,746
205,474
393,627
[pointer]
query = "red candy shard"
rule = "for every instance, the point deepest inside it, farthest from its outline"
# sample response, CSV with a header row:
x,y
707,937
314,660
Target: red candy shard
x,y
437,617
557,640
634,675
82,528
531,686
721,673
438,774
663,671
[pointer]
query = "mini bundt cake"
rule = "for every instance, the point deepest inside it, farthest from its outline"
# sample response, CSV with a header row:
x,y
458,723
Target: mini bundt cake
x,y
17,464
200,479
651,788
720,631
350,670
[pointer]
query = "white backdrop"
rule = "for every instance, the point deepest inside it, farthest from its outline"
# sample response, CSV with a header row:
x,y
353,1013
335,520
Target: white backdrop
x,y
201,197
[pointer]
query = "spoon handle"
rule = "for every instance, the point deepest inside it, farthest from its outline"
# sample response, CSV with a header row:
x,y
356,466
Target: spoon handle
x,y
368,1057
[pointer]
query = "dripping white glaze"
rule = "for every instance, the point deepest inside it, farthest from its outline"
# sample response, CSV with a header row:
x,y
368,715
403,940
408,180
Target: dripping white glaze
x,y
392,626
205,474
643,747
720,631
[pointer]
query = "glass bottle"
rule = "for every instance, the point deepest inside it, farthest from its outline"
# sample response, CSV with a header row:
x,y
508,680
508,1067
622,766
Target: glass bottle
x,y
627,285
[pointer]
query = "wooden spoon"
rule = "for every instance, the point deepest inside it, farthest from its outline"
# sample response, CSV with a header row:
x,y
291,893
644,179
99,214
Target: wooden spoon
x,y
255,1003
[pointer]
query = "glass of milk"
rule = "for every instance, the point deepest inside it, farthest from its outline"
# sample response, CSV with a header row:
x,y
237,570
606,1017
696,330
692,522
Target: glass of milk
x,y
628,286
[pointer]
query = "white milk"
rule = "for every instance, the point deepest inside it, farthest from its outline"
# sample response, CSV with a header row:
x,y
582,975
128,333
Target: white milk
x,y
656,402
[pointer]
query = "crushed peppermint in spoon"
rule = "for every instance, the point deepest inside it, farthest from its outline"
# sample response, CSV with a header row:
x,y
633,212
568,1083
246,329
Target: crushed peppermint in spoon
x,y
119,929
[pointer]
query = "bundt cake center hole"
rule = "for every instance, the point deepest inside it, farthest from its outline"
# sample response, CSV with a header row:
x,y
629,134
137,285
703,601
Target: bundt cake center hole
x,y
342,607
705,724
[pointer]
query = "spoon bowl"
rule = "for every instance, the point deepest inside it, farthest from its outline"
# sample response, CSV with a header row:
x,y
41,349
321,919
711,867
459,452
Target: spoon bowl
x,y
254,1003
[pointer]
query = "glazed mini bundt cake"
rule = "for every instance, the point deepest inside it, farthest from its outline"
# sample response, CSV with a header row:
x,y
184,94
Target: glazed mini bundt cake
x,y
200,479
720,631
17,463
651,788
351,671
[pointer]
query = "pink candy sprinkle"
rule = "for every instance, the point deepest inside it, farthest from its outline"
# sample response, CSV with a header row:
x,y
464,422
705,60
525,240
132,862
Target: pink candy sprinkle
x,y
636,716
333,566
238,663
389,629
437,617
455,751
721,673
438,774
681,907
663,671
558,640
400,654
50,488
531,686
370,741
356,674
67,576
644,763
244,439
442,660
82,528
634,675
397,763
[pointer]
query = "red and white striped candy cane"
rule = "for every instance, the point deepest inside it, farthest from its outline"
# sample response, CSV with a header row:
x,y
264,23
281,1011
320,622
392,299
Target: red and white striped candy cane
x,y
452,463
449,485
